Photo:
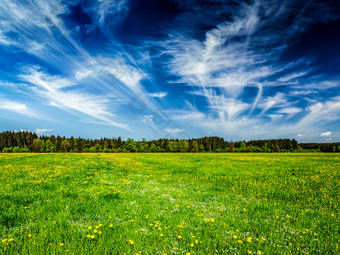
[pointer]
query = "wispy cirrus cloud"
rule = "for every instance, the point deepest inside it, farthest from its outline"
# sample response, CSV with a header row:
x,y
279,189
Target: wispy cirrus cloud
x,y
58,92
16,107
244,54
48,38
110,9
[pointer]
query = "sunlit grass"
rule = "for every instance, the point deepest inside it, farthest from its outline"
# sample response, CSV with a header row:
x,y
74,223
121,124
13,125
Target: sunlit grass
x,y
169,203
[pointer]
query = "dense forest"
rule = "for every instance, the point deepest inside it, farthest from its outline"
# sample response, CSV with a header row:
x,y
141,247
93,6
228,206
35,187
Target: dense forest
x,y
25,141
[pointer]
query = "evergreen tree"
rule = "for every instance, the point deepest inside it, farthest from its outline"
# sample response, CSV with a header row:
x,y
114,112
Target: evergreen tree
x,y
194,146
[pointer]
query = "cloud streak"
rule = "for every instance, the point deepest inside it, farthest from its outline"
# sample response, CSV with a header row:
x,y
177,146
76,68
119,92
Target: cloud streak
x,y
55,91
16,107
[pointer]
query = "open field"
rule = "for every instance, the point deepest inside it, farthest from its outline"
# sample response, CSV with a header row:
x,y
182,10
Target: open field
x,y
169,203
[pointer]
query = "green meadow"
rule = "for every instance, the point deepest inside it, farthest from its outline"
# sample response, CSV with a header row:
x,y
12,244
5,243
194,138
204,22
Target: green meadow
x,y
169,203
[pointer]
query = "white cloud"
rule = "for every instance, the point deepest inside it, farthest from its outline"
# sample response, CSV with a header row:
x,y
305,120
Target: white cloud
x,y
4,40
174,131
114,8
128,75
326,133
290,111
158,94
184,115
52,89
40,131
292,76
279,100
16,107
82,74
275,116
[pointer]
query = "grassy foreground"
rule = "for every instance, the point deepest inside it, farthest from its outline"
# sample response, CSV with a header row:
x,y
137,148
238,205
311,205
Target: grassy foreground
x,y
169,203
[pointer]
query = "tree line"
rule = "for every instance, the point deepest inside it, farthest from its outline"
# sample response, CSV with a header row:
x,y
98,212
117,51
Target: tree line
x,y
26,141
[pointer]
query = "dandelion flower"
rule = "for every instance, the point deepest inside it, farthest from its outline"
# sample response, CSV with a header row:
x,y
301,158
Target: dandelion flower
x,y
179,237
111,225
131,242
239,241
192,245
61,244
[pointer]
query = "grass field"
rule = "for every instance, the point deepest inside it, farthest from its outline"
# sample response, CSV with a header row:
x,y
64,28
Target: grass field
x,y
169,203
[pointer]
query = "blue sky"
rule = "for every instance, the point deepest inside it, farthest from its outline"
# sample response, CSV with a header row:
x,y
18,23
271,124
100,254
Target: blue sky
x,y
151,69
